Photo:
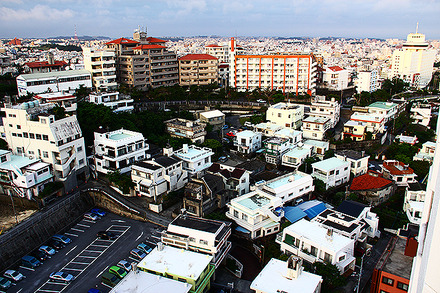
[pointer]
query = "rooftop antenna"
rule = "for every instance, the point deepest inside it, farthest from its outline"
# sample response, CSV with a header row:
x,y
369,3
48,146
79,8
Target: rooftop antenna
x,y
417,27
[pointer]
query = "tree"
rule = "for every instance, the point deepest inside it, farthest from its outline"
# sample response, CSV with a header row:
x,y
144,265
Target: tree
x,y
394,86
122,181
59,112
3,144
330,275
213,144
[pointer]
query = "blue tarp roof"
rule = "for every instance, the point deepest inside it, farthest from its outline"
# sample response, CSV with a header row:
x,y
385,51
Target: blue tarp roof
x,y
293,214
243,230
316,210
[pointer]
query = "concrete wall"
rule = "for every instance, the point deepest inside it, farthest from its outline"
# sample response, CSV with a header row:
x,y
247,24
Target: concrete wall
x,y
30,234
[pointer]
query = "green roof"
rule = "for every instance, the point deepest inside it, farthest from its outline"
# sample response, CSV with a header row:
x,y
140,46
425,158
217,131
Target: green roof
x,y
383,105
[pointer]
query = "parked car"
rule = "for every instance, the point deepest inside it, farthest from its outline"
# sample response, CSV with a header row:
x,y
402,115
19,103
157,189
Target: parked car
x,y
230,134
61,238
94,290
223,159
91,217
138,254
106,235
61,276
110,279
119,272
125,265
13,275
145,248
55,244
47,250
98,212
5,284
225,126
30,261
40,255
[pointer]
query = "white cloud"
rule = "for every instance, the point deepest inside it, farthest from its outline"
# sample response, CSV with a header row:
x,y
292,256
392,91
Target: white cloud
x,y
185,7
39,12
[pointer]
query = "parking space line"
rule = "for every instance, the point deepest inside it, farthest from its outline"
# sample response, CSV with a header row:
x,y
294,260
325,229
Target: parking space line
x,y
155,237
151,242
94,251
71,250
26,268
68,269
133,259
88,221
74,229
122,226
50,291
140,236
107,285
19,290
101,272
99,245
80,263
105,240
73,235
82,225
85,256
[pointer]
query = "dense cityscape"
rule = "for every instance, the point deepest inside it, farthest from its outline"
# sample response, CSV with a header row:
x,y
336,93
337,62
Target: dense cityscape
x,y
150,163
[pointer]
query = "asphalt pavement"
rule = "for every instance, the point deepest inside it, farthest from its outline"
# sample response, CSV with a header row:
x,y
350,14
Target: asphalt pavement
x,y
87,257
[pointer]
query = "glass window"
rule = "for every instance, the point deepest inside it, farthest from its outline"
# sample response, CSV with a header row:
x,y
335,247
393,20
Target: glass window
x,y
402,286
45,154
387,281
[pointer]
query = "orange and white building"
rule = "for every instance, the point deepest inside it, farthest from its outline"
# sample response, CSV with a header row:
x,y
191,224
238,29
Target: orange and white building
x,y
293,73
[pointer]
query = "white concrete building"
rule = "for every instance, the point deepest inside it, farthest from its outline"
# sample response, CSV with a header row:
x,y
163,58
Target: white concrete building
x,y
294,73
220,52
102,65
285,115
414,61
118,150
35,133
158,176
336,78
398,172
318,147
215,117
267,128
326,109
426,153
358,161
55,81
375,123
424,274
294,136
67,100
315,127
312,242
332,171
183,128
367,81
386,109
236,180
296,156
257,213
421,113
23,176
195,159
414,202
115,101
247,141
275,148
199,235
286,276
289,187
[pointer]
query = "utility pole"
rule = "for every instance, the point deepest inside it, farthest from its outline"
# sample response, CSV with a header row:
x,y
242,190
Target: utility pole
x,y
13,207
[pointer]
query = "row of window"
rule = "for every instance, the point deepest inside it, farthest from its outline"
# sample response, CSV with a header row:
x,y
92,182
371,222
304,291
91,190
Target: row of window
x,y
390,282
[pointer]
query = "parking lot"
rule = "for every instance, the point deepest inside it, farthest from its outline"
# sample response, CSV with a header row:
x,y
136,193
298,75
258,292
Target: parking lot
x,y
87,257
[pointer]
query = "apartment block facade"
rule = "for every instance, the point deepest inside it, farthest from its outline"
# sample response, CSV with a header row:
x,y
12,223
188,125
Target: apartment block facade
x,y
198,69
102,66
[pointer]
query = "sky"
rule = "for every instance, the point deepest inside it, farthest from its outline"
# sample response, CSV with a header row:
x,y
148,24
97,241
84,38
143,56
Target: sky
x,y
167,18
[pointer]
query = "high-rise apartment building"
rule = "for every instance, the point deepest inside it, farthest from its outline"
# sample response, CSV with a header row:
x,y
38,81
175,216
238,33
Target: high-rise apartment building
x,y
294,73
198,69
414,61
144,62
101,64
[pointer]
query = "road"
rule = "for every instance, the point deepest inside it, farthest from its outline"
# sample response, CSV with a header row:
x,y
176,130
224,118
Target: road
x,y
86,257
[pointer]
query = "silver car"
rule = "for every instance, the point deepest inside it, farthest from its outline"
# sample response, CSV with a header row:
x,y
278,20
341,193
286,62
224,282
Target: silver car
x,y
13,275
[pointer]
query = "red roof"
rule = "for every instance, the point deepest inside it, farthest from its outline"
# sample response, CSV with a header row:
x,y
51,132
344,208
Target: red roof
x,y
367,182
40,64
213,46
147,47
223,66
155,40
15,41
122,41
335,68
198,57
397,168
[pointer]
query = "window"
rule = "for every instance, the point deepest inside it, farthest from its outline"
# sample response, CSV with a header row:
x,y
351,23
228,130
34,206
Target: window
x,y
327,257
25,134
45,137
402,286
192,239
81,161
204,242
341,258
314,251
38,136
79,149
244,217
45,154
387,281
346,168
18,126
236,214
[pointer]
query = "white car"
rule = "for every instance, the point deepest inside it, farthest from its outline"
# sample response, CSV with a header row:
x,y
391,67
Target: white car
x,y
90,216
125,265
61,276
13,275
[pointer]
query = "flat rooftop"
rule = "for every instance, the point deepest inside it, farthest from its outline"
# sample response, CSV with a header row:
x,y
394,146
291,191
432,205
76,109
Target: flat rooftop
x,y
394,260
17,162
273,278
254,200
382,105
143,282
314,119
330,164
192,152
246,133
286,179
119,136
54,74
175,261
298,152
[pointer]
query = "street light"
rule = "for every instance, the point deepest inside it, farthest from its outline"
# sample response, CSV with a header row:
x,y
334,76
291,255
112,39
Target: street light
x,y
367,253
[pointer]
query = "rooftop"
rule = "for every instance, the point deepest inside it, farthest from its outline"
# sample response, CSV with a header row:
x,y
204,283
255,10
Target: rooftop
x,y
285,106
317,120
198,57
355,123
351,208
329,164
317,143
191,152
246,133
212,114
273,278
351,154
39,64
314,232
365,117
286,179
16,162
179,262
298,152
397,168
53,74
254,200
143,282
382,105
148,47
369,182
394,261
122,41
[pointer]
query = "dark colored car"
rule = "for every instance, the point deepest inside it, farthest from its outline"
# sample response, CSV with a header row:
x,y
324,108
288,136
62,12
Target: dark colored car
x,y
61,238
55,244
40,255
30,261
98,212
106,235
